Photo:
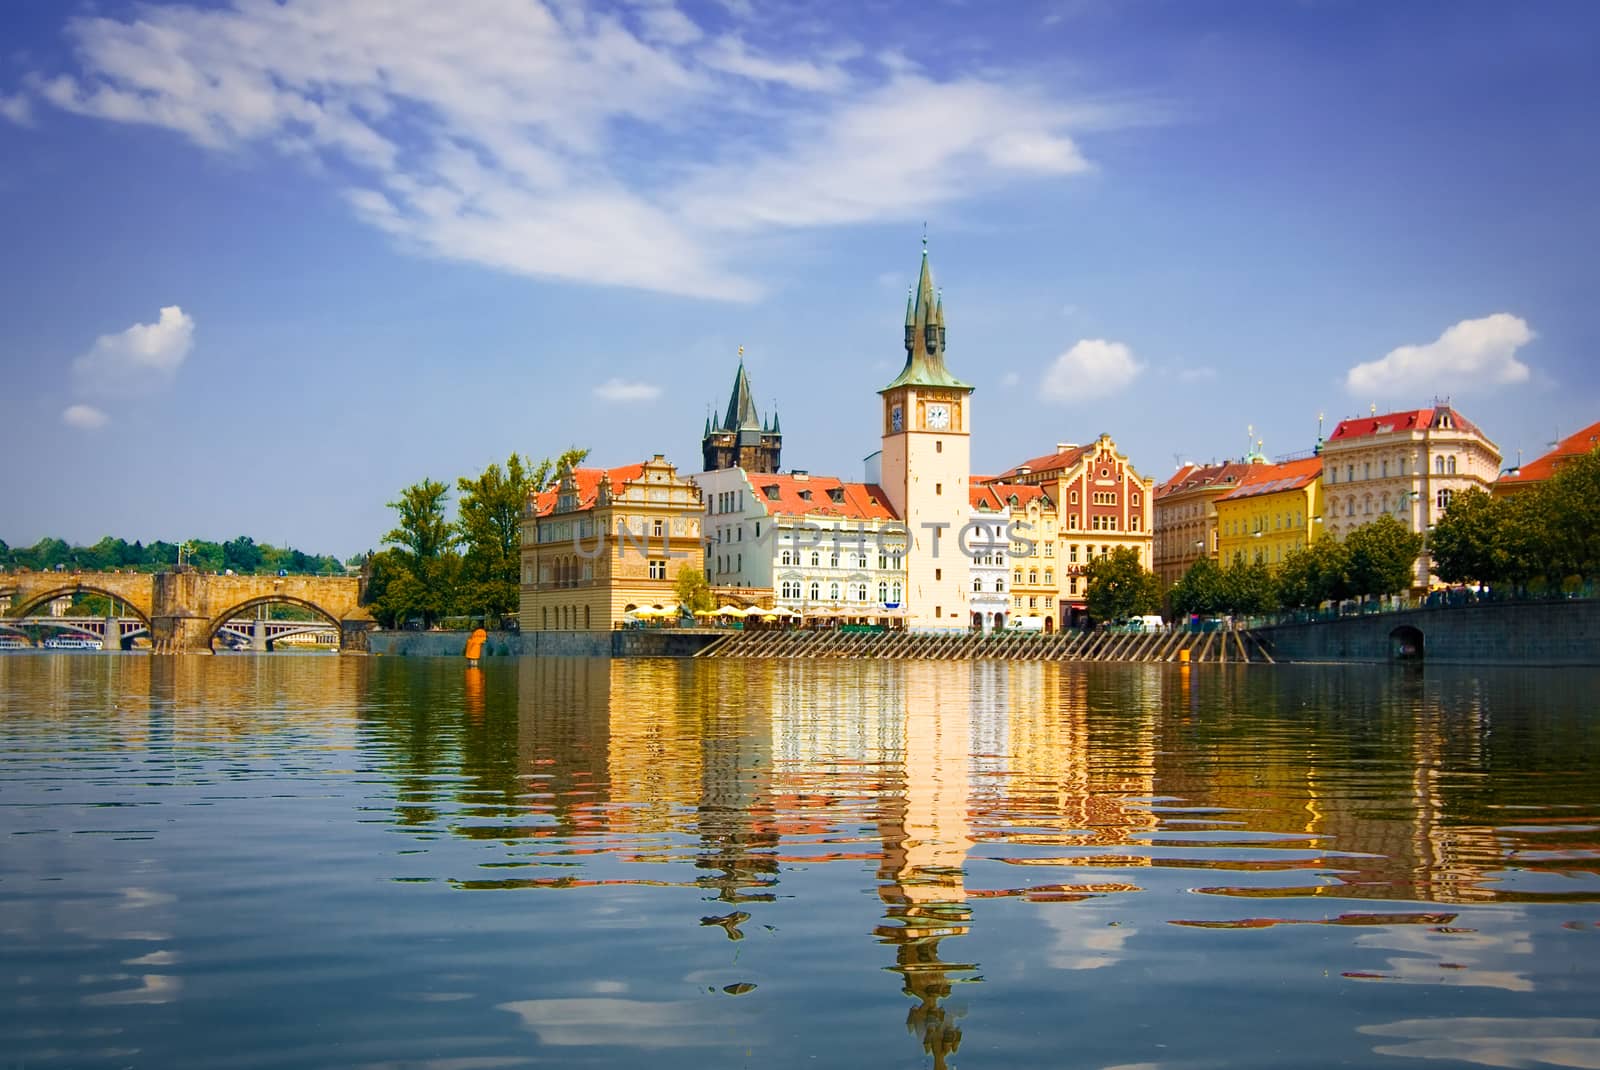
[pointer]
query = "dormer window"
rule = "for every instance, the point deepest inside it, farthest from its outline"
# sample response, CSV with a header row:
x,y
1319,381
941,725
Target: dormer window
x,y
836,494
805,495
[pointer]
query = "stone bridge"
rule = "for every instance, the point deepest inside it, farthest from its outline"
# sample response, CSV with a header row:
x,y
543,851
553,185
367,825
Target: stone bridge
x,y
185,610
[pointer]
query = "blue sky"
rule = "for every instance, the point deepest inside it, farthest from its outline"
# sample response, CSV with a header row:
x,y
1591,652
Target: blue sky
x,y
268,262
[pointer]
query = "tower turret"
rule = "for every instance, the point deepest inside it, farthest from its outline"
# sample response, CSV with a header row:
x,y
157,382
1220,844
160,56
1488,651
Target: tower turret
x,y
741,439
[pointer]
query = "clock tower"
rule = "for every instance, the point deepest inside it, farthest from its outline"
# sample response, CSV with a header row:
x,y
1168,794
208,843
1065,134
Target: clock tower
x,y
927,422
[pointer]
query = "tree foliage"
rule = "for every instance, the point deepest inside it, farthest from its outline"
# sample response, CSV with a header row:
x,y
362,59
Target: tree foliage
x,y
243,555
1381,557
1312,575
424,586
489,524
693,590
1120,587
1545,535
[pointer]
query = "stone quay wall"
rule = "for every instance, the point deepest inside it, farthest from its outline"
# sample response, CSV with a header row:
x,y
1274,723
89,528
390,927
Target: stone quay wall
x,y
1507,633
643,643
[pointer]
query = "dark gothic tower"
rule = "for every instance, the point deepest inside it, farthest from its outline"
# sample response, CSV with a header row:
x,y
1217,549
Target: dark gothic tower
x,y
741,439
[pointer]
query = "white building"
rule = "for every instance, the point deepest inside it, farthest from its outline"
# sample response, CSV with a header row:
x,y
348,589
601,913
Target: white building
x,y
1408,464
989,563
821,545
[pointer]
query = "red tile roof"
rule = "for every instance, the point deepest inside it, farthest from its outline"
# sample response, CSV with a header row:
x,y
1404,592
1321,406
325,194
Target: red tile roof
x,y
1050,462
999,495
1542,468
1271,478
588,479
1391,422
782,495
1191,476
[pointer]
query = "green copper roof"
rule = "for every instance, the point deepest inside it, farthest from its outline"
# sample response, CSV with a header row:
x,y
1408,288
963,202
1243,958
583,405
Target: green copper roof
x,y
925,361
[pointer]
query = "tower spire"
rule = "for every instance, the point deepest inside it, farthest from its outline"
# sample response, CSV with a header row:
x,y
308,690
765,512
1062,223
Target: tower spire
x,y
925,333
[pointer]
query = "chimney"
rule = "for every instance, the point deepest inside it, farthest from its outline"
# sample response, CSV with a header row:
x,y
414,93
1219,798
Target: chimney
x,y
800,474
1063,447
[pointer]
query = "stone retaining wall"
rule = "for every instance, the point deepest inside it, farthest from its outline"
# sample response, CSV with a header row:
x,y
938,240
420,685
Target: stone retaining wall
x,y
647,643
1516,633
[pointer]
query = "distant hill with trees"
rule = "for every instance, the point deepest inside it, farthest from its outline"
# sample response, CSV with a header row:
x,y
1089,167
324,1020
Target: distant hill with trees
x,y
243,555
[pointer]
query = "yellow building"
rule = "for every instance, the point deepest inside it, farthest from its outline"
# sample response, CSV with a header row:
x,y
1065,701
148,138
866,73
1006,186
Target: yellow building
x,y
1275,508
1186,515
1036,576
603,541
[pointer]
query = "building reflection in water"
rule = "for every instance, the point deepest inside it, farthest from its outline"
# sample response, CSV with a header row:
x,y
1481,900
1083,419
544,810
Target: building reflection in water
x,y
924,824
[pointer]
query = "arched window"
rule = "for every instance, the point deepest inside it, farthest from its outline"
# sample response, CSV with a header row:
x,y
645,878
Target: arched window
x,y
1033,577
816,591
1450,465
895,593
1438,466
816,559
999,586
1049,577
833,591
977,584
883,591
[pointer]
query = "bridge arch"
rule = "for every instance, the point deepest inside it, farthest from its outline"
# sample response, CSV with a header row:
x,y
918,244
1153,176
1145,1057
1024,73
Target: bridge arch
x,y
37,599
216,624
1406,643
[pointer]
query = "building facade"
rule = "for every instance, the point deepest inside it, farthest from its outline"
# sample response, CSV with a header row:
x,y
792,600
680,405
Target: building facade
x,y
1275,509
1408,465
988,548
603,541
1100,503
925,464
1185,527
822,546
742,439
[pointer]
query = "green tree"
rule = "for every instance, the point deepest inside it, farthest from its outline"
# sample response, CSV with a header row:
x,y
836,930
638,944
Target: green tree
x,y
693,589
547,471
242,555
1312,575
1465,544
1199,590
1248,588
1120,587
490,523
425,541
1382,556
1571,504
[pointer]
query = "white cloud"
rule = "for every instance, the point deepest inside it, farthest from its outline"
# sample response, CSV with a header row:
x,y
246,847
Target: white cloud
x,y
1473,353
623,391
1093,368
84,417
141,355
560,141
730,55
17,109
669,26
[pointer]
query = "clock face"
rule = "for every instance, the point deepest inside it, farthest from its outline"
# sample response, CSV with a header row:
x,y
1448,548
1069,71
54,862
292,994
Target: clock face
x,y
938,417
896,421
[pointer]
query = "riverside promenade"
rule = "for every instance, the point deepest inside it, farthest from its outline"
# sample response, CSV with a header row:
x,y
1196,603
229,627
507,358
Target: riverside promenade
x,y
1562,632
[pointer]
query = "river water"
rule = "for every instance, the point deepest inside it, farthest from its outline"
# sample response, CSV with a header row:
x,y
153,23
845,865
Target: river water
x,y
308,861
